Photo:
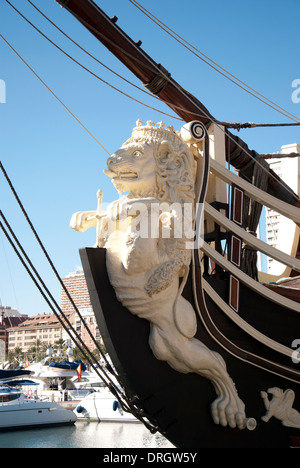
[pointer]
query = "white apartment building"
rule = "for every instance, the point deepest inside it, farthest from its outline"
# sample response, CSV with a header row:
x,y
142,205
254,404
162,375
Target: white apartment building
x,y
280,230
76,285
44,328
47,329
89,319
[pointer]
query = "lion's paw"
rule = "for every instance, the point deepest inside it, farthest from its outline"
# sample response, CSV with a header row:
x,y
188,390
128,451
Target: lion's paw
x,y
228,411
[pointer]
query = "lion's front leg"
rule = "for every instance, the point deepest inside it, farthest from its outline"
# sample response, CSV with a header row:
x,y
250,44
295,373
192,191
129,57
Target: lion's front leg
x,y
191,355
228,408
83,220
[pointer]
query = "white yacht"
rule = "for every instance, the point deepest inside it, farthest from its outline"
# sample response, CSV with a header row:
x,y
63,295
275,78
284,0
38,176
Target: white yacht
x,y
53,381
18,412
102,406
88,396
99,404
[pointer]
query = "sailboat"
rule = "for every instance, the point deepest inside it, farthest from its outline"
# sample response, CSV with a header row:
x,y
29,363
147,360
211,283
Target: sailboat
x,y
206,349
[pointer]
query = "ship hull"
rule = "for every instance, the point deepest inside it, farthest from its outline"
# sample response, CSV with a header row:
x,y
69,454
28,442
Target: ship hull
x,y
179,404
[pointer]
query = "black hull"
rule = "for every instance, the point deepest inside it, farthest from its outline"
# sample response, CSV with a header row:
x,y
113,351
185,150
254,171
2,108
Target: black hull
x,y
179,404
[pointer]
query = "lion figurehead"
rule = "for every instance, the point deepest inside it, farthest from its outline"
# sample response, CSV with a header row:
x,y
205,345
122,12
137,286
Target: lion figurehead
x,y
154,162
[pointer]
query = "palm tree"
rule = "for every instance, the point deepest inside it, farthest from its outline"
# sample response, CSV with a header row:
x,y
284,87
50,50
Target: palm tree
x,y
60,344
77,354
14,357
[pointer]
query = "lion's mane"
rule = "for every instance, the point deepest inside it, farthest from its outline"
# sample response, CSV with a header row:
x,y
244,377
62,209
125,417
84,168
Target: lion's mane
x,y
175,169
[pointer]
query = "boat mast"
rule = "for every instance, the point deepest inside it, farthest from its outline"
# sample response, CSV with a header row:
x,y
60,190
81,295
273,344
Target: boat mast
x,y
159,81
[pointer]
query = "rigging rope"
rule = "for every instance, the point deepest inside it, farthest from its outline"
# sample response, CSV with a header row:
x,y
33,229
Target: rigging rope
x,y
88,53
234,125
239,126
63,104
47,256
53,94
87,69
85,352
126,403
187,95
11,238
101,63
206,59
166,77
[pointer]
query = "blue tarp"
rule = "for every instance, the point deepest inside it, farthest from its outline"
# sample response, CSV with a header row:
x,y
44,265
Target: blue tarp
x,y
13,383
6,374
68,365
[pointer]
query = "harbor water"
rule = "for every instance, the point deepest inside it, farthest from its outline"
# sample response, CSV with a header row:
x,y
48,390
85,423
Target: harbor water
x,y
86,435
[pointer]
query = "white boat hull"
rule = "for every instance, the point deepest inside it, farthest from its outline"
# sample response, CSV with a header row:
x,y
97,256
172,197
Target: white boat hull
x,y
99,406
34,414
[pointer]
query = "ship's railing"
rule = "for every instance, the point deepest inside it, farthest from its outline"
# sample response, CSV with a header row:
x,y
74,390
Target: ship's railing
x,y
246,279
243,325
235,273
251,240
268,200
236,266
289,211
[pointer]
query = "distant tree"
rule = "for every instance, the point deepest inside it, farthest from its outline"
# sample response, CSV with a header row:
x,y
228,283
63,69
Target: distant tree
x,y
60,344
38,351
97,354
77,354
15,357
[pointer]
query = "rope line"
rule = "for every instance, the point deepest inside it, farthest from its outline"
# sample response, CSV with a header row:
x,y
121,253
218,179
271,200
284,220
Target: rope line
x,y
101,63
206,59
88,53
234,125
174,84
126,403
238,126
87,69
48,257
10,239
53,94
186,94
82,347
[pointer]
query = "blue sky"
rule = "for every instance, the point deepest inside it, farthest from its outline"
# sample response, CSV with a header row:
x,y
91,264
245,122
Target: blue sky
x,y
56,167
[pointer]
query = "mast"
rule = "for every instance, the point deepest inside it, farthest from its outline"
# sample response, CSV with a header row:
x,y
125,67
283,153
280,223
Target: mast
x,y
159,82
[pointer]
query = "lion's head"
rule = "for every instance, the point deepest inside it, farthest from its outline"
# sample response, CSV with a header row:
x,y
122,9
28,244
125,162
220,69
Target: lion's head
x,y
154,162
